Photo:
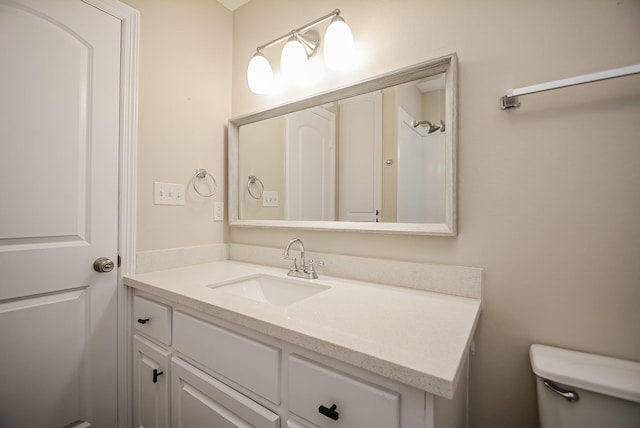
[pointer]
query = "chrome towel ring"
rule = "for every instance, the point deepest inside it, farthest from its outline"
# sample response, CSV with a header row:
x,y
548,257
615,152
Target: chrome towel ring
x,y
253,180
202,174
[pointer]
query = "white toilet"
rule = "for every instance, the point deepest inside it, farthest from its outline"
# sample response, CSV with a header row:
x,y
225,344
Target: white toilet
x,y
580,390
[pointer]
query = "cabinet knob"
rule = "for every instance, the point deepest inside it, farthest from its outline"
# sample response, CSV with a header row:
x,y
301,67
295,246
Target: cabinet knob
x,y
156,373
143,320
329,412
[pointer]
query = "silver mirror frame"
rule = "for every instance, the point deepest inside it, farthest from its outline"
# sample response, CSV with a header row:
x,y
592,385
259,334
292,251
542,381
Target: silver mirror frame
x,y
447,64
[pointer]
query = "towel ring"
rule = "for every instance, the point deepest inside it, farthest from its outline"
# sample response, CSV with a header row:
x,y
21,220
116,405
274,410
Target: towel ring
x,y
202,174
252,180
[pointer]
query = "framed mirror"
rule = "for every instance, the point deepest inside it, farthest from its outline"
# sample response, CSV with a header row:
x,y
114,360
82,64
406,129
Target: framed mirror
x,y
376,156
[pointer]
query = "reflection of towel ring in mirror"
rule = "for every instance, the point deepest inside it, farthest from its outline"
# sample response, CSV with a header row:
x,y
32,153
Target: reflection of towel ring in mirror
x,y
255,180
202,174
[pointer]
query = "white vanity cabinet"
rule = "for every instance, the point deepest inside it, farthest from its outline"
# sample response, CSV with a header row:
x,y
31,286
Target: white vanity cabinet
x,y
194,370
170,392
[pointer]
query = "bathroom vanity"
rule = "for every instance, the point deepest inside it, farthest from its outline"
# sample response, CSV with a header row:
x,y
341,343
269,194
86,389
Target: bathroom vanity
x,y
237,344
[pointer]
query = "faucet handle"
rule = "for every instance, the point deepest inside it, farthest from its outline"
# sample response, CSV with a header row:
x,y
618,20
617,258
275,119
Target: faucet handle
x,y
294,263
311,269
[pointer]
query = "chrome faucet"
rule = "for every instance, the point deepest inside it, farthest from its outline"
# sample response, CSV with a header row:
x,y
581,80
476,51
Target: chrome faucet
x,y
302,270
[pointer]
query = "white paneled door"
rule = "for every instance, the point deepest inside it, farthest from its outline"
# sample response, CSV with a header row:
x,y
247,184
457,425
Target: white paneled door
x,y
59,131
361,158
310,165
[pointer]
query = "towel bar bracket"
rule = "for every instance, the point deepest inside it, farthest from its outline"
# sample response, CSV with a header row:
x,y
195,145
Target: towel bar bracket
x,y
509,102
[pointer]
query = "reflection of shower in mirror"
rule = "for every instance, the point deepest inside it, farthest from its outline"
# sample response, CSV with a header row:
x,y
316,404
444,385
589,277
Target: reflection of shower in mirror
x,y
431,127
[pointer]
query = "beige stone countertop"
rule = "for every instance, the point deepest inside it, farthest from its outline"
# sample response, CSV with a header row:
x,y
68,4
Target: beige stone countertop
x,y
416,337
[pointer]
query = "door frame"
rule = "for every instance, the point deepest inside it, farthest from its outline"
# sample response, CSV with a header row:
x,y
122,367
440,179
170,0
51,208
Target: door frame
x,y
127,184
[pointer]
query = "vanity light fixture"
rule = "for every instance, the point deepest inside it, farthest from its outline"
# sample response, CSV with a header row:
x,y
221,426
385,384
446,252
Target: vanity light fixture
x,y
302,43
259,74
294,61
339,50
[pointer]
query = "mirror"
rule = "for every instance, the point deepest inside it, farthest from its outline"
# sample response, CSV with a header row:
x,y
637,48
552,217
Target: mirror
x,y
375,156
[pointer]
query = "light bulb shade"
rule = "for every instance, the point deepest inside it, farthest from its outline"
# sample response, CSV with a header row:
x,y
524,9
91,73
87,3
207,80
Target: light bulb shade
x,y
339,50
294,63
260,75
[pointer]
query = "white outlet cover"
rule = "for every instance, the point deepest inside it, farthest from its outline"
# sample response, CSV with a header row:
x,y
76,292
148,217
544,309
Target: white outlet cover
x,y
218,211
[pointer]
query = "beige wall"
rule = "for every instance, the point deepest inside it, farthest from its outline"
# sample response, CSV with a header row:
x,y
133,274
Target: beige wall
x,y
433,106
185,102
549,196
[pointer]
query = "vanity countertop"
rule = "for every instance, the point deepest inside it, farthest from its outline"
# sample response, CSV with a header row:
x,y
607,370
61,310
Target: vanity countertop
x,y
416,337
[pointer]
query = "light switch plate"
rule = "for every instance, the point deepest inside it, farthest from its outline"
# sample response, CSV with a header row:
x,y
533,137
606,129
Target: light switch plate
x,y
168,193
269,198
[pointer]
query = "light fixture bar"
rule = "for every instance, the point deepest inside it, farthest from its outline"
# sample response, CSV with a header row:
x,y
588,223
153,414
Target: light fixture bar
x,y
299,30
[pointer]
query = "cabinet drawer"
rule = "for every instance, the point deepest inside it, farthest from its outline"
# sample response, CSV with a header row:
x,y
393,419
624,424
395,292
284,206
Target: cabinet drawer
x,y
152,319
358,404
200,400
251,364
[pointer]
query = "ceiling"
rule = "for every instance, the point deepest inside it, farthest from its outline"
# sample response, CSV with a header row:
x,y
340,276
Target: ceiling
x,y
233,4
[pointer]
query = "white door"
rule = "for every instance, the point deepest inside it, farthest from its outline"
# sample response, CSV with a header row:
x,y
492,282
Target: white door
x,y
59,134
310,165
361,158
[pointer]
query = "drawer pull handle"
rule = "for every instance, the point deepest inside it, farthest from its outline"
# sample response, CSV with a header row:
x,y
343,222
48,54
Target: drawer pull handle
x,y
143,320
156,373
329,412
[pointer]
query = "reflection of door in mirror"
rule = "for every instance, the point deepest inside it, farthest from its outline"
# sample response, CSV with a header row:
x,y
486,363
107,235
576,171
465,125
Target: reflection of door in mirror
x,y
310,165
361,158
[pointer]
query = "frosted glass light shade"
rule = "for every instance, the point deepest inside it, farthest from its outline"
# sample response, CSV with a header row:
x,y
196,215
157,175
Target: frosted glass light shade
x,y
339,50
260,75
294,63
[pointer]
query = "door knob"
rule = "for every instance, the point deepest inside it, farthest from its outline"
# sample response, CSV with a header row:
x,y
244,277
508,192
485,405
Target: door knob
x,y
103,264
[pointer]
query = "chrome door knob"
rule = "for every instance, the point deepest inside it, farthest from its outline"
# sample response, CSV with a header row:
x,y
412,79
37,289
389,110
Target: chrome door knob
x,y
103,264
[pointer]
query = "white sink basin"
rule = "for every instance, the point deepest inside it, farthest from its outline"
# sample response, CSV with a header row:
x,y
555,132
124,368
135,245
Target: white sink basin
x,y
271,290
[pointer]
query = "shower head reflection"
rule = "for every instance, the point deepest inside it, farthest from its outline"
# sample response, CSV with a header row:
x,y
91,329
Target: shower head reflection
x,y
431,127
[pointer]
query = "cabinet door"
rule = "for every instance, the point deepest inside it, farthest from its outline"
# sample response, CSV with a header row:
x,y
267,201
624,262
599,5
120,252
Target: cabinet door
x,y
200,401
150,384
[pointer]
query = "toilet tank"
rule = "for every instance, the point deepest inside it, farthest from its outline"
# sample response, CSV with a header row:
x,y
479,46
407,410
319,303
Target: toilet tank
x,y
580,390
